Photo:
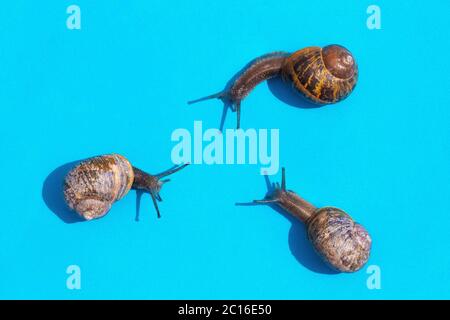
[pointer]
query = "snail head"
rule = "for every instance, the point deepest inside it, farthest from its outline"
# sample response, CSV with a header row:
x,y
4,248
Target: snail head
x,y
288,200
277,191
153,183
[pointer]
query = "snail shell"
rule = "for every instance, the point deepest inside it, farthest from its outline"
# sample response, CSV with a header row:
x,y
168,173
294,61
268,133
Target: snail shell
x,y
322,75
95,184
339,240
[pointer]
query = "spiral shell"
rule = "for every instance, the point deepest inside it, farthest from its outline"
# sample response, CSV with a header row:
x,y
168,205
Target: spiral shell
x,y
339,240
323,75
96,183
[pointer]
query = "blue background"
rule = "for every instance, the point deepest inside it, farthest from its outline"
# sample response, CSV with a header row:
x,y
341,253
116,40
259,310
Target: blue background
x,y
120,84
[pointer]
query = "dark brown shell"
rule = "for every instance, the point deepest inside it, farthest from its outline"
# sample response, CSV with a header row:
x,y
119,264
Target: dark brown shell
x,y
322,80
338,239
96,183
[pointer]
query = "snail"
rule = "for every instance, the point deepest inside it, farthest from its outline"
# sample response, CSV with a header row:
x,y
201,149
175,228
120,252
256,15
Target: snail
x,y
92,186
322,75
341,242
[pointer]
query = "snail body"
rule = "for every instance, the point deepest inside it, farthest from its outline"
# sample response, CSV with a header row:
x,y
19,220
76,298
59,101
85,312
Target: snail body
x,y
322,75
94,185
340,241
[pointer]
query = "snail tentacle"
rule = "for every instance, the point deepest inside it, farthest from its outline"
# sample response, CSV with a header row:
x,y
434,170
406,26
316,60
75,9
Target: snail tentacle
x,y
155,203
238,113
265,201
283,179
172,170
219,95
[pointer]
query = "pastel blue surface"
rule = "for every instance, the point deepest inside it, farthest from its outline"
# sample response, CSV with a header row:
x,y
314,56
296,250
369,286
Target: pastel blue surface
x,y
120,84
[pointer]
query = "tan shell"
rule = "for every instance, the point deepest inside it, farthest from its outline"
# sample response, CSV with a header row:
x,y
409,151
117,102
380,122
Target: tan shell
x,y
96,183
339,240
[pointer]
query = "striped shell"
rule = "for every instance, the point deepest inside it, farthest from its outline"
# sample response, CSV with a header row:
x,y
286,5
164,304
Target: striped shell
x,y
323,75
340,241
96,183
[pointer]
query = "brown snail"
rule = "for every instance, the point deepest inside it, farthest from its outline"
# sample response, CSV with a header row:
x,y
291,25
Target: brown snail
x,y
340,241
322,75
92,186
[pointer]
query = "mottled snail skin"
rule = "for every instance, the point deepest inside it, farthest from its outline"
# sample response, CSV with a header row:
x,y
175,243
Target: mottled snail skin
x,y
341,242
322,75
92,187
261,69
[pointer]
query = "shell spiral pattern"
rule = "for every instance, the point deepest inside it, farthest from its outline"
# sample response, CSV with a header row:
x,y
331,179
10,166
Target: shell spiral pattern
x,y
322,75
340,241
96,183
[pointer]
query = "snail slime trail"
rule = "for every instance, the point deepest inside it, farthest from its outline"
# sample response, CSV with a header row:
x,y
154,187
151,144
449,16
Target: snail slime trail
x,y
235,146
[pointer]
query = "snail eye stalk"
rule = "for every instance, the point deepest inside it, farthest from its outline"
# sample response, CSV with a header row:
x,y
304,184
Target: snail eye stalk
x,y
155,203
265,201
172,170
283,179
